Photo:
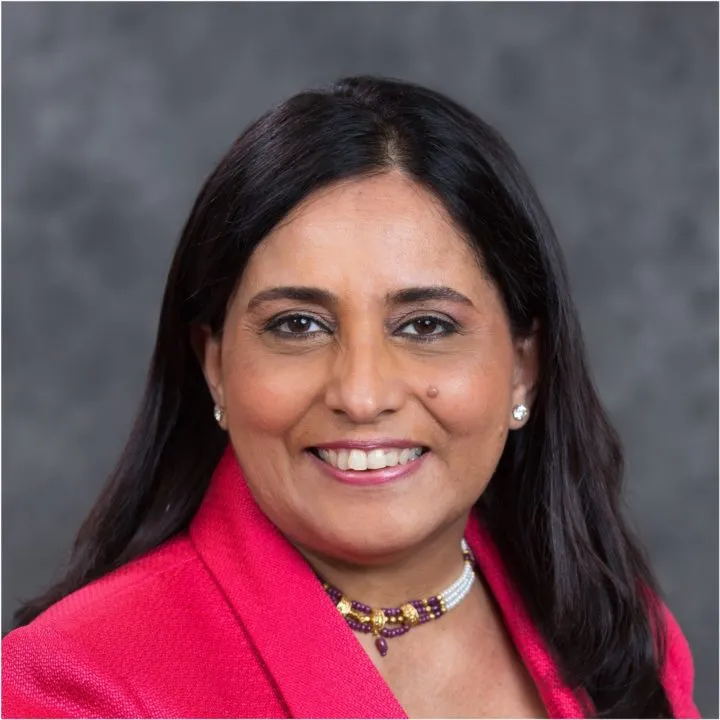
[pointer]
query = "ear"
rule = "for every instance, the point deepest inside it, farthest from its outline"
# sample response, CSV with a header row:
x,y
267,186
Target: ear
x,y
208,350
525,373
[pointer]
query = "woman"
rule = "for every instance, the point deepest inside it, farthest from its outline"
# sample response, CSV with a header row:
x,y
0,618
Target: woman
x,y
370,475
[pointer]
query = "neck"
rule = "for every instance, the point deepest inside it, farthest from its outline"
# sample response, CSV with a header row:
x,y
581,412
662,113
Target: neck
x,y
416,573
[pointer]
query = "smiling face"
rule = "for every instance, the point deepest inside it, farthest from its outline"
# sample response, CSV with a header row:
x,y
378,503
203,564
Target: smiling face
x,y
349,355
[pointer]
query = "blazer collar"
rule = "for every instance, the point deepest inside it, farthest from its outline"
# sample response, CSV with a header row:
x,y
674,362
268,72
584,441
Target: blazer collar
x,y
559,700
319,668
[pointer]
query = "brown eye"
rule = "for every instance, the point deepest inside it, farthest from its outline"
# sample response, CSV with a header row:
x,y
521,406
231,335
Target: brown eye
x,y
298,324
425,326
428,328
296,327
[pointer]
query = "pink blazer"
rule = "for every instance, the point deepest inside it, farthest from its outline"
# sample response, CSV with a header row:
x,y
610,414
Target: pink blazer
x,y
227,620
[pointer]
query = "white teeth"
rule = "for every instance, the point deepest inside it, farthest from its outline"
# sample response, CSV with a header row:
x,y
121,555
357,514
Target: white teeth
x,y
359,460
391,458
376,460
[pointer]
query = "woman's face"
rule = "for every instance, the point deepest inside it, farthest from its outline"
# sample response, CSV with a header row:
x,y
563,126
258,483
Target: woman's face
x,y
350,358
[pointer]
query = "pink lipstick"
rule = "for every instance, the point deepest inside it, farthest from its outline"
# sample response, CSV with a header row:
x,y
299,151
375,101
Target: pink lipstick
x,y
370,477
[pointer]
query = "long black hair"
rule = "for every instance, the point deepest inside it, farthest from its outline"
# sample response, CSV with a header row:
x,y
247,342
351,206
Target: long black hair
x,y
553,504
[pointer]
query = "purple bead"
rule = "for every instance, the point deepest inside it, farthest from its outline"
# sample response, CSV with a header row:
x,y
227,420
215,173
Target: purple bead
x,y
382,646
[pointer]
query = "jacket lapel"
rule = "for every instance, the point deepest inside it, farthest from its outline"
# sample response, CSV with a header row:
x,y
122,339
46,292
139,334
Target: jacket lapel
x,y
317,664
559,700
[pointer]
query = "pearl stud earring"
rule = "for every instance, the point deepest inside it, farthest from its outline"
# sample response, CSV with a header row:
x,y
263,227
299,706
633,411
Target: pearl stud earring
x,y
219,414
519,412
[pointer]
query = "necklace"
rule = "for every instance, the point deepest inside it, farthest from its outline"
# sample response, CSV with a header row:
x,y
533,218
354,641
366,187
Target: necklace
x,y
386,623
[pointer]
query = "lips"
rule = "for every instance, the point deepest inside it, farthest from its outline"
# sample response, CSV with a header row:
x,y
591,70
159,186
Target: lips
x,y
415,458
367,445
359,460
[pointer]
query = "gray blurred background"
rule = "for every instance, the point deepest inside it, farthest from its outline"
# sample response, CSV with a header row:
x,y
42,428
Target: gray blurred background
x,y
113,114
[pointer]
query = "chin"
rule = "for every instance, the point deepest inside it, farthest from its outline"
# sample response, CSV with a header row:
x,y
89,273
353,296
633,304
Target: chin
x,y
372,541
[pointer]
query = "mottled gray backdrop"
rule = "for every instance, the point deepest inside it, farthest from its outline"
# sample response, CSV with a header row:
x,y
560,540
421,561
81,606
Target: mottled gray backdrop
x,y
114,113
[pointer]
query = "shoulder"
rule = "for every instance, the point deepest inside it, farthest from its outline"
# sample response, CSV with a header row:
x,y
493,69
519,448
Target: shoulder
x,y
113,603
46,674
82,656
678,673
155,638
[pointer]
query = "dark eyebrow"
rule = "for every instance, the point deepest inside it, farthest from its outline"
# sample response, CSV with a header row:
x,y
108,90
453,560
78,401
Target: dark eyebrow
x,y
319,296
303,294
434,292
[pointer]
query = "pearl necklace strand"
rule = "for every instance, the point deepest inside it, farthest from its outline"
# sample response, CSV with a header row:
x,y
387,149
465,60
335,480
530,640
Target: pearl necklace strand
x,y
363,618
457,592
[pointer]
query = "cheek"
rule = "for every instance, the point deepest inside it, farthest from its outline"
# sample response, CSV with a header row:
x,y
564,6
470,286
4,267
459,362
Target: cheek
x,y
266,396
475,398
473,409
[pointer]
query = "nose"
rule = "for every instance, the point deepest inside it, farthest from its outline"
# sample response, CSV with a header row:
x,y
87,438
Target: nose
x,y
365,381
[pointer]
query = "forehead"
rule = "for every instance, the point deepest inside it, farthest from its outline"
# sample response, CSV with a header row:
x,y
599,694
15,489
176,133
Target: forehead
x,y
365,235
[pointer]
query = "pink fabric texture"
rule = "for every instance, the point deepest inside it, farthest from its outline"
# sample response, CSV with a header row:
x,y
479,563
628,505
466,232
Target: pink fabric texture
x,y
202,627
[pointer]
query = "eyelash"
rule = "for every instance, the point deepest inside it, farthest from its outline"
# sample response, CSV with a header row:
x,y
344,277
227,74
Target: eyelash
x,y
449,328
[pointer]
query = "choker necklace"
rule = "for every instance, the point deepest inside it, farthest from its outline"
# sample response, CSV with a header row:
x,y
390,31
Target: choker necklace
x,y
386,623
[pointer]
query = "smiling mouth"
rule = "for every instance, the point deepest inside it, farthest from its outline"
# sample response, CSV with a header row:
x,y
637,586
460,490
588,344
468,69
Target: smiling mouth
x,y
377,459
